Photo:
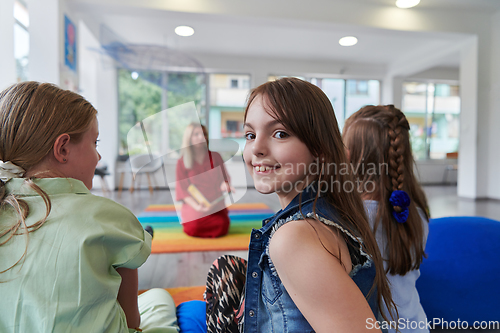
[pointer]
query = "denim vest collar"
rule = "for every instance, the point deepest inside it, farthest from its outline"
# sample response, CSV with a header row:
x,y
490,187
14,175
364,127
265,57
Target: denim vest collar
x,y
306,196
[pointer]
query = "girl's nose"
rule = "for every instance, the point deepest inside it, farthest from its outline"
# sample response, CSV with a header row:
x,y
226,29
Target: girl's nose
x,y
259,147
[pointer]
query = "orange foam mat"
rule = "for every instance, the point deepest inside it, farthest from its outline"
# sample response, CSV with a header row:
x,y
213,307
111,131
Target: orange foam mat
x,y
184,294
184,243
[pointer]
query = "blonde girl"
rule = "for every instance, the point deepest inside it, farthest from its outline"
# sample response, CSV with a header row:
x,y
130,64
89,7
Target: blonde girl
x,y
203,169
395,202
68,258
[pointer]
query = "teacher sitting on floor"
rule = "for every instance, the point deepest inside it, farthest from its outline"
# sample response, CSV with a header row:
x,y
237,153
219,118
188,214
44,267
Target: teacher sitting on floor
x,y
201,180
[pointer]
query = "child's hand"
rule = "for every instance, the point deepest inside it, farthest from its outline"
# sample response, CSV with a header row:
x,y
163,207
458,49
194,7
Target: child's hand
x,y
225,187
202,208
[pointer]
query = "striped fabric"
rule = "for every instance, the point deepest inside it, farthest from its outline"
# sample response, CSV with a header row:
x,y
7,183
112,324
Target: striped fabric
x,y
169,237
225,294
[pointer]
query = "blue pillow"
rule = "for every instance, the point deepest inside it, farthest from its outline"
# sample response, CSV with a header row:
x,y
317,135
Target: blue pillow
x,y
459,278
191,317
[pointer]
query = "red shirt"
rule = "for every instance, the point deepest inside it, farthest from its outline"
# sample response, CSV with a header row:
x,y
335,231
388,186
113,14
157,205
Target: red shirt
x,y
207,177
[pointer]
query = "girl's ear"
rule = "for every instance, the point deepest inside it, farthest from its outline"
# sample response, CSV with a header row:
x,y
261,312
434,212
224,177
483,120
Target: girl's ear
x,y
61,149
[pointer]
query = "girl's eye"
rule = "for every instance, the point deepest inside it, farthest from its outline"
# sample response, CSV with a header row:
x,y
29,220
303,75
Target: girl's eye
x,y
281,135
96,142
249,136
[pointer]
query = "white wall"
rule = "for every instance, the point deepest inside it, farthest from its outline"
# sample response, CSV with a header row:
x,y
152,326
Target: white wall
x,y
493,127
432,172
468,152
98,85
437,73
46,55
45,29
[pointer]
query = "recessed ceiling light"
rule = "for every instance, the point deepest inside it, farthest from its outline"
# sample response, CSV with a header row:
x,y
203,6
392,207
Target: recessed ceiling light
x,y
407,3
184,31
348,41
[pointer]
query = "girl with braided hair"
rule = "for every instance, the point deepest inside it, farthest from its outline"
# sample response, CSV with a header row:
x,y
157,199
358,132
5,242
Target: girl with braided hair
x,y
379,151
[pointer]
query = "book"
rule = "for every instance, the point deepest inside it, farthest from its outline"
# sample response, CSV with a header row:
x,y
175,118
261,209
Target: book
x,y
200,198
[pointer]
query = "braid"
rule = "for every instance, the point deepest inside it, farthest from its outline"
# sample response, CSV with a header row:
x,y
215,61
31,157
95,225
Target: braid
x,y
396,152
381,134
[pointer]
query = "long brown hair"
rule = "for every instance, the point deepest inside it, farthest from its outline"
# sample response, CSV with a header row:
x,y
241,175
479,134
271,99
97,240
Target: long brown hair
x,y
32,116
379,136
303,109
187,148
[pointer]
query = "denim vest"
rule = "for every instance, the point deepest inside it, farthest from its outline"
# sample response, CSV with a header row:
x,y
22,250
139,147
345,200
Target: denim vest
x,y
268,307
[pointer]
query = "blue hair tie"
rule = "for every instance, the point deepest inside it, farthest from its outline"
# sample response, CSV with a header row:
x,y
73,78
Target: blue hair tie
x,y
400,199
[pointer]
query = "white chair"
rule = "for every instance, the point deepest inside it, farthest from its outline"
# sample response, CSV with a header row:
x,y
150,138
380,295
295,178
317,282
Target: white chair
x,y
145,164
101,170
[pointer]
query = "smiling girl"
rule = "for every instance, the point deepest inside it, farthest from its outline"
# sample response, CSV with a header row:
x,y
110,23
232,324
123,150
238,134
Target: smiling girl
x,y
314,266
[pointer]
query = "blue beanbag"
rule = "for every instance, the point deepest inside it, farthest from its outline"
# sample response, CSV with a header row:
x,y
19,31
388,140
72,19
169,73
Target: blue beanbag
x,y
191,317
460,277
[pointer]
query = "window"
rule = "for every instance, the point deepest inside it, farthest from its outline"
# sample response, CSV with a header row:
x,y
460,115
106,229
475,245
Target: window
x,y
346,96
143,94
21,39
367,93
232,125
228,95
138,99
335,90
357,87
433,111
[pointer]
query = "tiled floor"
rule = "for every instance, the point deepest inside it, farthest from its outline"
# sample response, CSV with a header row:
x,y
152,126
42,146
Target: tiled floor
x,y
190,269
443,201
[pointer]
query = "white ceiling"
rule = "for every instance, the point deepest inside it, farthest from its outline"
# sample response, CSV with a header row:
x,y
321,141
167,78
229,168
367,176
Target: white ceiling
x,y
241,31
481,5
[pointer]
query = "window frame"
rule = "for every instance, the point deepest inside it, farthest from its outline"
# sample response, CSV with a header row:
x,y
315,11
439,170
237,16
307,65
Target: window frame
x,y
427,114
25,28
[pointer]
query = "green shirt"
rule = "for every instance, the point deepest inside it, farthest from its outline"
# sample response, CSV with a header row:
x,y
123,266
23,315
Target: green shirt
x,y
67,282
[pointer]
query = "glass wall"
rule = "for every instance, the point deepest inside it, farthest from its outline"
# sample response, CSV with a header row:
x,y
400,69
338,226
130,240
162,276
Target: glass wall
x,y
138,99
433,111
346,96
228,95
432,108
361,93
21,39
144,94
